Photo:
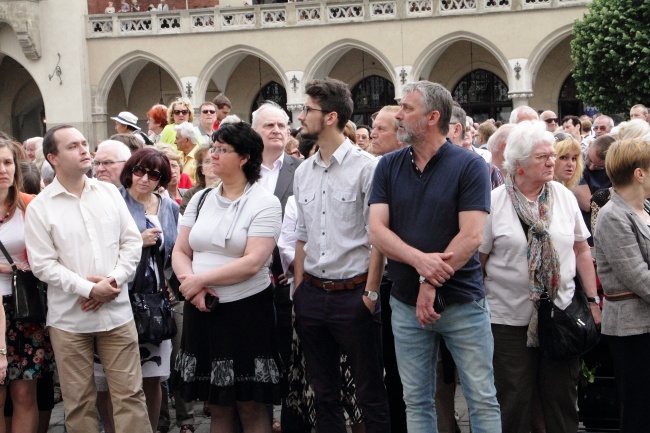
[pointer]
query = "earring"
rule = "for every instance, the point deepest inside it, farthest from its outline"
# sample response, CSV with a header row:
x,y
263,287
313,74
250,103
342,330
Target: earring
x,y
520,172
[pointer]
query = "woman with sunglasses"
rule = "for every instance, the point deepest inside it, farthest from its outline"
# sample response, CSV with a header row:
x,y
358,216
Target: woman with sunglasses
x,y
178,112
229,355
157,218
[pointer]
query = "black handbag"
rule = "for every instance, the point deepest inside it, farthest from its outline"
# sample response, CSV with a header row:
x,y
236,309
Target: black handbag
x,y
567,333
28,293
152,312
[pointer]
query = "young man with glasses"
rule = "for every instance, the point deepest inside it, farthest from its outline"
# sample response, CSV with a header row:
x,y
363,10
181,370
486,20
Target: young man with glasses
x,y
82,241
337,274
594,176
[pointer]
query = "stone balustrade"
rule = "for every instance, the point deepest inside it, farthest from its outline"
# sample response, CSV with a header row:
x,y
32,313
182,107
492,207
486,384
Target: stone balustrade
x,y
307,13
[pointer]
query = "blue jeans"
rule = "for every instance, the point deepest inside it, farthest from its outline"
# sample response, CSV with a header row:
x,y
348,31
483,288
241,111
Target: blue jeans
x,y
467,333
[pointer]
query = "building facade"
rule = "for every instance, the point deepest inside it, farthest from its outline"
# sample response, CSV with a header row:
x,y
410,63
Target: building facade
x,y
59,64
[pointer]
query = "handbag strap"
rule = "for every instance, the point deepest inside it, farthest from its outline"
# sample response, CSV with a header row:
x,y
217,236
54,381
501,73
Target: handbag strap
x,y
8,257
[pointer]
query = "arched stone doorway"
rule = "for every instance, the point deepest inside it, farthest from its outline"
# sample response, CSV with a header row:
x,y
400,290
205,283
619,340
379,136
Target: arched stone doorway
x,y
271,92
369,96
483,95
568,102
24,113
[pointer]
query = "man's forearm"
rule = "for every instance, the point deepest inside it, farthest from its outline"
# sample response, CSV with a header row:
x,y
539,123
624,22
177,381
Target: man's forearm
x,y
375,270
299,263
391,246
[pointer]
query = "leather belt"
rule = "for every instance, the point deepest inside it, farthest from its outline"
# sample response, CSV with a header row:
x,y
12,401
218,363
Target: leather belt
x,y
333,285
623,296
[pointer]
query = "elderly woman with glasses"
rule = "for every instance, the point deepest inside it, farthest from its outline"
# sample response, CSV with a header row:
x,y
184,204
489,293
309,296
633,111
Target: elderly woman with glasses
x,y
534,243
623,257
222,258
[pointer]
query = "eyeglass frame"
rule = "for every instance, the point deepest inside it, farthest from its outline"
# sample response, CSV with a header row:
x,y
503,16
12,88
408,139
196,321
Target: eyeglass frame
x,y
104,163
306,109
544,157
154,175
209,111
589,163
221,151
184,112
552,120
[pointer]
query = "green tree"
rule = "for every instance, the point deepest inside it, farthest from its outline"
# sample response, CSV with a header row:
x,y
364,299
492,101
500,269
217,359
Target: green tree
x,y
611,51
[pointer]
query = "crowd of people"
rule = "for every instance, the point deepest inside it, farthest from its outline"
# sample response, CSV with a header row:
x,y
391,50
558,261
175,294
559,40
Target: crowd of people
x,y
349,273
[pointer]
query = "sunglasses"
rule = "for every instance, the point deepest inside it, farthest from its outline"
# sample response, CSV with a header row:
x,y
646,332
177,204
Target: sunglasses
x,y
151,174
183,112
208,111
600,128
551,120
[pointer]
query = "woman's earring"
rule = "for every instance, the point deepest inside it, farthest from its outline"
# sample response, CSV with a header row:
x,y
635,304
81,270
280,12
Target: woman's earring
x,y
520,172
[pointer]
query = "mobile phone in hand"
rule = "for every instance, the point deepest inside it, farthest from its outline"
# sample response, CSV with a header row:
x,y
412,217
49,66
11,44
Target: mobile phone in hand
x,y
211,301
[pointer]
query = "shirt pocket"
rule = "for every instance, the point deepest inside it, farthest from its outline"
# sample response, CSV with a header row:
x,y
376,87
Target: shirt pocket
x,y
565,226
344,204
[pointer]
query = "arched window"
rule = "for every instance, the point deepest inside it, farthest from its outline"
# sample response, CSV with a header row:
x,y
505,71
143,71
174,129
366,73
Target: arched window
x,y
568,102
271,92
483,95
369,96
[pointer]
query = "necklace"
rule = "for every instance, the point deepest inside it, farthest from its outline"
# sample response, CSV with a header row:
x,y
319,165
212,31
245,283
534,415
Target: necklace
x,y
146,206
2,220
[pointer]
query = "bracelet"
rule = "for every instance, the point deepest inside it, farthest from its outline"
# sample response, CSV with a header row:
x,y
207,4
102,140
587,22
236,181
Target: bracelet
x,y
592,299
424,280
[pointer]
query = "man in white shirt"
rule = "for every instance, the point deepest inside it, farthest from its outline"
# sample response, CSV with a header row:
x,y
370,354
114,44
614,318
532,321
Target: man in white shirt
x,y
82,241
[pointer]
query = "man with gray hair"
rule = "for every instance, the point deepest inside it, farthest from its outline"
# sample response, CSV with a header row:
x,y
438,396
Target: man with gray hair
x,y
639,111
109,161
428,207
384,132
522,113
187,141
603,125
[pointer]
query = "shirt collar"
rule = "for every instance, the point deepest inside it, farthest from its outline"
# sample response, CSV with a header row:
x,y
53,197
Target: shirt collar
x,y
57,188
277,165
339,154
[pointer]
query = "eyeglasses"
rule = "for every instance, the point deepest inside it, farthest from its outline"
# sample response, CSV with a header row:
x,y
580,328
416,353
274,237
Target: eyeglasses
x,y
104,163
592,165
208,111
221,150
306,109
183,112
600,128
551,120
544,157
141,171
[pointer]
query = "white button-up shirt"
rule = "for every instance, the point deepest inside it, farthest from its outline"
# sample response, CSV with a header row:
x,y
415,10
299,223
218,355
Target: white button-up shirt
x,y
269,176
332,202
69,239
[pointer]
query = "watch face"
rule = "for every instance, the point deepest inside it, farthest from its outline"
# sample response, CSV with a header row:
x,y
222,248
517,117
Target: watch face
x,y
372,295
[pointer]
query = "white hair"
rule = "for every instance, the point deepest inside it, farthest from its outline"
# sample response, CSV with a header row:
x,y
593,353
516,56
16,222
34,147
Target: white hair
x,y
522,140
233,118
47,174
497,141
37,140
187,130
268,105
121,150
524,110
635,128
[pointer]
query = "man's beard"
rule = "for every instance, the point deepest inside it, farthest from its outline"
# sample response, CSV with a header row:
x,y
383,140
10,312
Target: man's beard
x,y
312,135
408,135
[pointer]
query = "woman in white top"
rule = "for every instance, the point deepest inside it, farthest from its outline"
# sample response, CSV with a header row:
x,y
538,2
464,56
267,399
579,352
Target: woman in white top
x,y
229,355
535,241
27,351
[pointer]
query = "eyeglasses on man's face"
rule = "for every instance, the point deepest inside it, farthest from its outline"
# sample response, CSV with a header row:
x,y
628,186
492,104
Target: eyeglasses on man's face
x,y
592,165
208,111
306,109
551,120
106,163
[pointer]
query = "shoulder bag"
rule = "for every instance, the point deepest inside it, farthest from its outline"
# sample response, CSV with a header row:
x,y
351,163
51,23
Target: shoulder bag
x,y
152,312
568,333
27,292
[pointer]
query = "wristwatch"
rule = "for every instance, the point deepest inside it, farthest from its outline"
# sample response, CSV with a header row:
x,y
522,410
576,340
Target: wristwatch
x,y
424,280
373,296
592,299
3,351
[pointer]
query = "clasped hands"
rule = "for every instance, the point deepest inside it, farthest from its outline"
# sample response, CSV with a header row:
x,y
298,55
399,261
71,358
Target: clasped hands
x,y
194,289
437,271
104,290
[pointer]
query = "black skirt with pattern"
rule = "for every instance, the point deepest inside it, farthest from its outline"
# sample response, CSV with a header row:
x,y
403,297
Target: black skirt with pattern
x,y
230,354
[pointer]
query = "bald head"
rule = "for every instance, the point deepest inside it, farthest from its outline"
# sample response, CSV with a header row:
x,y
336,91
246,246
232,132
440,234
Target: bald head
x,y
523,113
384,132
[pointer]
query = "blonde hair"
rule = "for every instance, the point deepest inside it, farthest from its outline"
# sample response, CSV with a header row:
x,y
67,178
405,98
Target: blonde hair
x,y
565,146
625,156
182,101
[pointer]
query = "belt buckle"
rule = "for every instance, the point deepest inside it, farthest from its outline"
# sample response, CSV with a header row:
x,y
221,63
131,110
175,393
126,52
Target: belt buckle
x,y
325,283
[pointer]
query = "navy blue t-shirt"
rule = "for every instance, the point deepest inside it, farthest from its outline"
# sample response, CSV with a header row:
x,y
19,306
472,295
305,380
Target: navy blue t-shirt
x,y
424,209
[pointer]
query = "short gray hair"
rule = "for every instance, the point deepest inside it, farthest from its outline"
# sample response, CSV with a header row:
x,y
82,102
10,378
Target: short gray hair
x,y
267,105
460,116
434,97
522,140
37,140
121,150
187,130
523,110
499,137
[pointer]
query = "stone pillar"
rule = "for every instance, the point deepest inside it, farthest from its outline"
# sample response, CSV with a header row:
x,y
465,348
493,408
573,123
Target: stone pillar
x,y
295,95
520,86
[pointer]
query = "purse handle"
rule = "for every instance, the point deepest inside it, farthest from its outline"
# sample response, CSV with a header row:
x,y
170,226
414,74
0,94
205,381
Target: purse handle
x,y
8,257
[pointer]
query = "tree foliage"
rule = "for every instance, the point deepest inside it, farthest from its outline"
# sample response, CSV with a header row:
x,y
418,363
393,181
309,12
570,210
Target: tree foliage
x,y
611,51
